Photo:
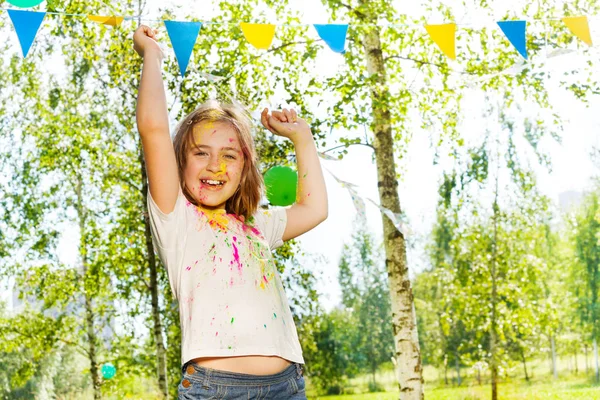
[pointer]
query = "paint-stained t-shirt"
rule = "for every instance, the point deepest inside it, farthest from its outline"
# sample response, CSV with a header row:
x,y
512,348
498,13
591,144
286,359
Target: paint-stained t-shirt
x,y
231,298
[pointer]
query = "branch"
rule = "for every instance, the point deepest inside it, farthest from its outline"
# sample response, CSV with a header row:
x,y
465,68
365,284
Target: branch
x,y
421,63
348,145
352,10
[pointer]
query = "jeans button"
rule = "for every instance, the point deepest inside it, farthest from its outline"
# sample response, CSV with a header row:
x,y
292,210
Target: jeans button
x,y
190,370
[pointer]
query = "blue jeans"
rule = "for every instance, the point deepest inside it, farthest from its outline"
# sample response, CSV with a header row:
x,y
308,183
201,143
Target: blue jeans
x,y
206,383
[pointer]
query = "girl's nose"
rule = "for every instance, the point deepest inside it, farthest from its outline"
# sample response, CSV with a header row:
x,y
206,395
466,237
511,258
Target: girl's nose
x,y
213,164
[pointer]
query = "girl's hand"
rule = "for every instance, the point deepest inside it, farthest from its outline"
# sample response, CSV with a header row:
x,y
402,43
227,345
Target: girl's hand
x,y
286,123
144,41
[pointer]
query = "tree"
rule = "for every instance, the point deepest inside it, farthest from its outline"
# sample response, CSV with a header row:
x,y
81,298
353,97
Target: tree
x,y
379,77
586,231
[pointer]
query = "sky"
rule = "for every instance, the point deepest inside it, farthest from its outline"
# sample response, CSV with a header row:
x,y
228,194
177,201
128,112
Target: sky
x,y
419,183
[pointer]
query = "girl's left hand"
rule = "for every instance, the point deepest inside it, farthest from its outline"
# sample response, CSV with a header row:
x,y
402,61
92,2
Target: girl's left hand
x,y
286,123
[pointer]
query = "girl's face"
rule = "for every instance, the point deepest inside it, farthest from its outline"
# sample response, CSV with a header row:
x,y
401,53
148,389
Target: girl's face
x,y
214,169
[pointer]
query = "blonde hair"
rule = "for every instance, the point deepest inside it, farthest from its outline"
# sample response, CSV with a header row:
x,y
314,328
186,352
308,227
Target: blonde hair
x,y
245,200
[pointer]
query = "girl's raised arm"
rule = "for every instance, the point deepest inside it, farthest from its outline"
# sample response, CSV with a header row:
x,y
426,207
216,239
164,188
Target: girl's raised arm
x,y
153,123
311,207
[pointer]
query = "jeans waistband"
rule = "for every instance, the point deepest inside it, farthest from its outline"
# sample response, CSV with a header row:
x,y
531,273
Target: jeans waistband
x,y
209,375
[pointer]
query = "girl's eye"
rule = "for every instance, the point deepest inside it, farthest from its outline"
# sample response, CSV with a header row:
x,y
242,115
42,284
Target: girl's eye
x,y
230,156
201,153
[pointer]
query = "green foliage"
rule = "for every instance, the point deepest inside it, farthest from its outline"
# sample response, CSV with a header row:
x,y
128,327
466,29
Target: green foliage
x,y
355,337
585,236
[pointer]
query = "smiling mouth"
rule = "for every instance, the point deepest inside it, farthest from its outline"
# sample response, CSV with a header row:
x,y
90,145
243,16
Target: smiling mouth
x,y
212,183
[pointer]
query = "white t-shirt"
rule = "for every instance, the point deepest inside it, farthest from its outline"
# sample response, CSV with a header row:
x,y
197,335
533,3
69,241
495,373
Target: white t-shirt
x,y
221,271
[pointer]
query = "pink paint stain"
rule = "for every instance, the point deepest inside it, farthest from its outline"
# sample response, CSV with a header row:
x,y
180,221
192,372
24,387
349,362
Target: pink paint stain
x,y
236,255
190,267
217,334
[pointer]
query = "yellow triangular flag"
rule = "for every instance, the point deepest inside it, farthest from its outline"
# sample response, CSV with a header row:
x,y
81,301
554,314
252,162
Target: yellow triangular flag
x,y
106,20
259,35
445,37
580,28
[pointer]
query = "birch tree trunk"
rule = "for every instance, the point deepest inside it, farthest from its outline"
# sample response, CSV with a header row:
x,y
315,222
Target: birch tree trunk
x,y
596,358
161,354
408,354
554,367
457,364
494,322
89,312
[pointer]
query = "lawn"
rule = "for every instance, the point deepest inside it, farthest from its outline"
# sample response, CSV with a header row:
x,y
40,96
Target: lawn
x,y
560,390
542,386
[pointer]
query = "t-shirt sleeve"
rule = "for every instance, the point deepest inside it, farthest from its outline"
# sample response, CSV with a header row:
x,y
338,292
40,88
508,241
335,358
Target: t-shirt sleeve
x,y
271,224
168,230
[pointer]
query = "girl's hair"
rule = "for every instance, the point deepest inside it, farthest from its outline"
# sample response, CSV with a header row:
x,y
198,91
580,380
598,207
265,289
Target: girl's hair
x,y
245,200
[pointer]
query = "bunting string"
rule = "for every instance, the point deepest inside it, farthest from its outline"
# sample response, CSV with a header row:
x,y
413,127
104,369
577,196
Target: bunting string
x,y
399,220
183,34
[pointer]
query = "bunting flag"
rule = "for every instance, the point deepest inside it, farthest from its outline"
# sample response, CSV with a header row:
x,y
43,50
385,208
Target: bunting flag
x,y
327,157
445,37
27,24
183,37
396,218
515,32
334,35
106,20
579,27
259,35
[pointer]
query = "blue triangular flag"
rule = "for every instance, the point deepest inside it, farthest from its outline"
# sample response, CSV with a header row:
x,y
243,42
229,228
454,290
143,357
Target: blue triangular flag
x,y
334,35
27,24
183,37
515,31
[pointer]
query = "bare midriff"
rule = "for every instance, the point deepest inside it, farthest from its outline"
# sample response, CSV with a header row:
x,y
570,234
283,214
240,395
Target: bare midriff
x,y
253,365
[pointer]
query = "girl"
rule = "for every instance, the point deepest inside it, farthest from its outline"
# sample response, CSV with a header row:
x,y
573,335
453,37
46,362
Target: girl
x,y
238,336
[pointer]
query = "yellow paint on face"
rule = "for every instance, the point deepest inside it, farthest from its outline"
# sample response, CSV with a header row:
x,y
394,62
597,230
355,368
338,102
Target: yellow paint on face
x,y
222,167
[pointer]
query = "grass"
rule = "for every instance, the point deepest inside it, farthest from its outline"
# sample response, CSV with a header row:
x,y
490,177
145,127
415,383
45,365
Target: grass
x,y
560,390
542,386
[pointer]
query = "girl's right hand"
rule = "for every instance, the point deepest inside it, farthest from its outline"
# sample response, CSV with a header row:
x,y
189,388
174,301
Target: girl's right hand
x,y
144,41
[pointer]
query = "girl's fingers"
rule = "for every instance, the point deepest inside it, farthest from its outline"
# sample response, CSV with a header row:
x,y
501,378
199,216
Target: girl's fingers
x,y
294,115
265,120
277,115
288,115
